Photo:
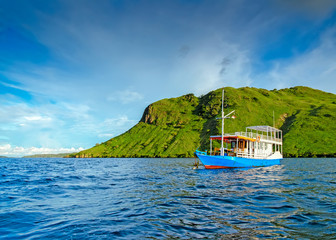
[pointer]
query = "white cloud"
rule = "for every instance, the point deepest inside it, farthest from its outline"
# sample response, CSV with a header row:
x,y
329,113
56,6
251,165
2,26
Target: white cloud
x,y
105,135
100,72
37,118
213,66
52,126
126,96
114,126
16,151
5,147
316,68
119,121
45,124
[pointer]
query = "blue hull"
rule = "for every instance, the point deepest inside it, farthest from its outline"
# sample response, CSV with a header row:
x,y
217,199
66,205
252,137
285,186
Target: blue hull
x,y
212,162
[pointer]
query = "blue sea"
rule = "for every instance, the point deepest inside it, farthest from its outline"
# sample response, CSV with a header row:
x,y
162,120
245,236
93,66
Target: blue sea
x,y
56,198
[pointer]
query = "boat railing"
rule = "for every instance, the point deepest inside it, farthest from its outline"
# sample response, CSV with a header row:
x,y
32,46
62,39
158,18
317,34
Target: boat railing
x,y
237,153
251,155
255,136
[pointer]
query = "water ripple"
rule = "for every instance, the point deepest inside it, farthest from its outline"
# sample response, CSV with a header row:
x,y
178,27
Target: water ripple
x,y
165,198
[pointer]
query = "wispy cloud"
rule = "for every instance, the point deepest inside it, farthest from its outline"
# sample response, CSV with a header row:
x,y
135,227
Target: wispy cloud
x,y
106,135
311,8
125,97
114,126
112,122
100,65
315,68
210,67
16,151
37,118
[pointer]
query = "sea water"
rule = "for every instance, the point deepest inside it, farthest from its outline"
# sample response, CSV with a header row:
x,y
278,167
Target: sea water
x,y
55,198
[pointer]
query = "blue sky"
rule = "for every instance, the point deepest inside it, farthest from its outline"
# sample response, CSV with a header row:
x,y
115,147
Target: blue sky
x,y
74,73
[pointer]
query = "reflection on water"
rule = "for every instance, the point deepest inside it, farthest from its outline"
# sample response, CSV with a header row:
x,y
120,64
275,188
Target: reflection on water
x,y
165,198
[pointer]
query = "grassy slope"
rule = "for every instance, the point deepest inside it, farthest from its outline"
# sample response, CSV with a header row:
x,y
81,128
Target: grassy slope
x,y
176,127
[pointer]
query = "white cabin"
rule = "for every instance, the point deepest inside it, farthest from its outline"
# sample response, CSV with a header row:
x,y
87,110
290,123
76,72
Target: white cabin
x,y
259,142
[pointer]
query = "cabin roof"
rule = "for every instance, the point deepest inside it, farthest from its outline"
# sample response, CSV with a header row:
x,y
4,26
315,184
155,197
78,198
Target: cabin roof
x,y
264,128
231,137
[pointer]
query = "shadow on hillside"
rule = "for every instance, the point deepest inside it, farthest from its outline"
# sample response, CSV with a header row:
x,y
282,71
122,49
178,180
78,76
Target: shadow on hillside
x,y
209,129
285,128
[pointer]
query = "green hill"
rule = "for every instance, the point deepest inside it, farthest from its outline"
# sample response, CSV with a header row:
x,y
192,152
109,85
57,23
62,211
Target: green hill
x,y
175,127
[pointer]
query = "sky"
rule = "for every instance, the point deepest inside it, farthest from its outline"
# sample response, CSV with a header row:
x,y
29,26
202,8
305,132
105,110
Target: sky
x,y
74,73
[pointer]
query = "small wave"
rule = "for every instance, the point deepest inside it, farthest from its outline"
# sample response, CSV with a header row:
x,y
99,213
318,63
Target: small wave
x,y
164,199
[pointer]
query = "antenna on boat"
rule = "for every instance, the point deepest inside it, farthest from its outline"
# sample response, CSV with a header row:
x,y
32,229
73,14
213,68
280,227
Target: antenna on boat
x,y
223,117
273,120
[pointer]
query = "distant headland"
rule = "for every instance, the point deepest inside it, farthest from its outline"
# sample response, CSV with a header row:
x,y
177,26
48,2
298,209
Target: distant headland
x,y
57,155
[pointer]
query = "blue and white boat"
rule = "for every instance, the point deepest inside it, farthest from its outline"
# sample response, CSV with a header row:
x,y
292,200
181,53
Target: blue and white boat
x,y
258,146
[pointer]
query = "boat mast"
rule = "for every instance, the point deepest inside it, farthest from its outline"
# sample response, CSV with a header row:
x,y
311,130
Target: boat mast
x,y
222,148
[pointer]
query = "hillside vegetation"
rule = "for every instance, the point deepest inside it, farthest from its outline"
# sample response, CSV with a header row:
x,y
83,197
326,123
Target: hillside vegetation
x,y
175,127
